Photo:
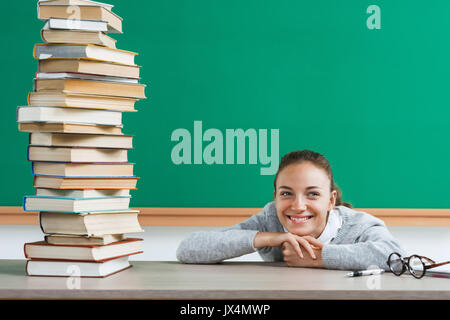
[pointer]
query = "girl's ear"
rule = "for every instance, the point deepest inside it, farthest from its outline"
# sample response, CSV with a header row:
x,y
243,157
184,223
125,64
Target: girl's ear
x,y
274,194
333,197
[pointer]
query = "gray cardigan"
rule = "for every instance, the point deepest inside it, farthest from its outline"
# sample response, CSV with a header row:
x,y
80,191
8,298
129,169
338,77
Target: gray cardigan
x,y
362,241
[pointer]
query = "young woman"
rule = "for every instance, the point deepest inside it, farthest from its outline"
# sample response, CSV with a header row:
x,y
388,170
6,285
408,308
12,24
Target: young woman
x,y
307,225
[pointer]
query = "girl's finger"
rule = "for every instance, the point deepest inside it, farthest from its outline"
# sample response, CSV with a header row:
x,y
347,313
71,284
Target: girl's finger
x,y
296,247
305,244
314,241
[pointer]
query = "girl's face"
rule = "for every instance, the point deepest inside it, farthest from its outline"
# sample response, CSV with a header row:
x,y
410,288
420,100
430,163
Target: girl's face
x,y
303,199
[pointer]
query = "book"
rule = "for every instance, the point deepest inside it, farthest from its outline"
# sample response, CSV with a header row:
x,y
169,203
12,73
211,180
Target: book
x,y
83,51
82,193
71,268
77,205
42,250
82,169
54,182
62,99
438,272
75,3
78,37
69,24
91,223
84,12
91,87
75,154
81,140
83,240
74,75
69,128
89,67
67,114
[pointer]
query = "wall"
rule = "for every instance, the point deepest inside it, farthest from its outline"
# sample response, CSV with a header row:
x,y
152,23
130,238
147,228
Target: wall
x,y
373,101
160,243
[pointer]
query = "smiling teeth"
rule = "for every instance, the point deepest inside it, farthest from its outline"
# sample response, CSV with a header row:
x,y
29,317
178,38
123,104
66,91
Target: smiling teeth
x,y
299,219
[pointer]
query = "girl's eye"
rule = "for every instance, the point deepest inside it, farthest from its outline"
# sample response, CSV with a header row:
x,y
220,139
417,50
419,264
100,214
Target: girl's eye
x,y
285,193
314,194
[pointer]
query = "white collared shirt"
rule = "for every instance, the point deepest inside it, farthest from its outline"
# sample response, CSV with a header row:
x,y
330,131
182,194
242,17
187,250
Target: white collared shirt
x,y
334,223
331,229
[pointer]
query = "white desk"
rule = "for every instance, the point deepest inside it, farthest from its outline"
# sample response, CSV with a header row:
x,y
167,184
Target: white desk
x,y
231,280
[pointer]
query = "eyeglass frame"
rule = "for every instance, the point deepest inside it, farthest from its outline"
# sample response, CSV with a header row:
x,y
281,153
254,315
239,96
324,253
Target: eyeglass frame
x,y
406,266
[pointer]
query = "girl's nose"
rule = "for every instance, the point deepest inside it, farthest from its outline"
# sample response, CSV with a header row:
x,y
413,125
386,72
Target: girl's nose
x,y
299,204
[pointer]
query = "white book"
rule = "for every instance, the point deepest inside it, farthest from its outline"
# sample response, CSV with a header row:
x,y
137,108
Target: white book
x,y
82,193
69,115
55,139
71,154
82,269
80,51
69,204
94,253
82,25
90,223
440,272
82,76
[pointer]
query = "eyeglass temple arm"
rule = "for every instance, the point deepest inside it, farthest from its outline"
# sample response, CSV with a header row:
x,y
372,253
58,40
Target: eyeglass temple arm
x,y
436,265
428,259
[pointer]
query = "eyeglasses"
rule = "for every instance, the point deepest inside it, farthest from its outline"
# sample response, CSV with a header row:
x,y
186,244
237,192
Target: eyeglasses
x,y
415,264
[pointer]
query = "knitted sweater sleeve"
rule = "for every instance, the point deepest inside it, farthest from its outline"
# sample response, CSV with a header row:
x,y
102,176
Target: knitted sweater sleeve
x,y
368,244
222,244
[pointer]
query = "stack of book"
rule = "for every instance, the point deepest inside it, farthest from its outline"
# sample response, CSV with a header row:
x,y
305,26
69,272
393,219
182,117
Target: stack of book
x,y
78,151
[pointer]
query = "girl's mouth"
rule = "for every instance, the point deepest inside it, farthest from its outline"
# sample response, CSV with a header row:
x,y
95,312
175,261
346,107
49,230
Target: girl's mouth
x,y
299,220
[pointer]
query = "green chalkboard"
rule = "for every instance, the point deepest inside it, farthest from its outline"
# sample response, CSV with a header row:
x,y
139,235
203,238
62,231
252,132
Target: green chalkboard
x,y
367,88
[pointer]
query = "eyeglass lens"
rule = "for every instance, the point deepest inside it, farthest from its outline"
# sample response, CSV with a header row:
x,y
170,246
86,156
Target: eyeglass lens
x,y
416,266
396,264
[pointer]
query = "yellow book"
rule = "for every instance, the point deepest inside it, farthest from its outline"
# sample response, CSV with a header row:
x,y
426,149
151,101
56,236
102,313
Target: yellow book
x,y
82,12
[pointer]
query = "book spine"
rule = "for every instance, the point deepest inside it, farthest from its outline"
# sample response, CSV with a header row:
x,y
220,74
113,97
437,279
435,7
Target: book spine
x,y
24,203
25,250
40,222
42,35
35,47
26,268
17,113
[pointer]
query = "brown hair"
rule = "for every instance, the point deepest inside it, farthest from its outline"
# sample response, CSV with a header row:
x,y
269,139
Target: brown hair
x,y
299,156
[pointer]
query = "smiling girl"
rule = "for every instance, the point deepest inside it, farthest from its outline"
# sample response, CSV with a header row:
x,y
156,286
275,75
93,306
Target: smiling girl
x,y
307,225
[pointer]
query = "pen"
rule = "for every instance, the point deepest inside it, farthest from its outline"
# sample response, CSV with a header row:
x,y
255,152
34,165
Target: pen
x,y
365,272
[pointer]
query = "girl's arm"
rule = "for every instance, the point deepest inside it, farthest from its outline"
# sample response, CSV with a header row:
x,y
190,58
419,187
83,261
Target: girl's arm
x,y
227,243
372,249
261,232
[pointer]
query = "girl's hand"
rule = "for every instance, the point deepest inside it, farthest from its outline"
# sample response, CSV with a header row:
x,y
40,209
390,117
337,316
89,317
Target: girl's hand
x,y
293,260
277,239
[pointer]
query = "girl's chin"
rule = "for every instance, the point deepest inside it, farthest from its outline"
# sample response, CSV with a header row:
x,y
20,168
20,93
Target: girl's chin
x,y
299,230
